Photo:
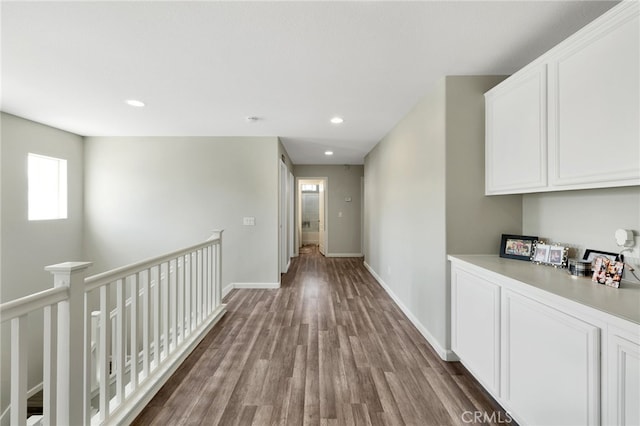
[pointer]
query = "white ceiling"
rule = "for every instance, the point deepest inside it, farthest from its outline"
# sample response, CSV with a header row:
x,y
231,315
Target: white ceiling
x,y
203,67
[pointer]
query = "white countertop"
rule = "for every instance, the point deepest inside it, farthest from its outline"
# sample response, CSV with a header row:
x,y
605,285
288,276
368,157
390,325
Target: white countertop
x,y
623,302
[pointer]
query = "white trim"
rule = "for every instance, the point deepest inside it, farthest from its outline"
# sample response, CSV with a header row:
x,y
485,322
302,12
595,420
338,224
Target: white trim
x,y
226,290
344,255
445,354
231,286
257,285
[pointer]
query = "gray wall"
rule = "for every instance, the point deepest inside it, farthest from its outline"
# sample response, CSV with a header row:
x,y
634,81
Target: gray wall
x,y
424,186
344,233
149,195
584,219
473,220
27,247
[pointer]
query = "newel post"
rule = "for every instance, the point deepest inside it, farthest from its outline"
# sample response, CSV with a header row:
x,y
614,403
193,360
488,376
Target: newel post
x,y
217,235
72,382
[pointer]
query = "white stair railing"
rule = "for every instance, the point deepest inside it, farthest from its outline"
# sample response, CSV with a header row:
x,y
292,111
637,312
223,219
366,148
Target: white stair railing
x,y
103,367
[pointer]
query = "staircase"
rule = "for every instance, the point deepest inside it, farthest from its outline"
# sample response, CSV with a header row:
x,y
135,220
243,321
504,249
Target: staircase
x,y
102,366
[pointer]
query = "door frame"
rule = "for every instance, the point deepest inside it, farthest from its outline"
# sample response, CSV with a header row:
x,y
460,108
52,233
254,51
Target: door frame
x,y
325,233
285,220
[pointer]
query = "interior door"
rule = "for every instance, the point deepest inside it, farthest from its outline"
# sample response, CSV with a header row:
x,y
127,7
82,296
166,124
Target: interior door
x,y
291,214
322,233
282,230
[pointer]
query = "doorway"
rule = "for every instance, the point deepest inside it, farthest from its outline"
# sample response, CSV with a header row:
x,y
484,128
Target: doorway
x,y
312,207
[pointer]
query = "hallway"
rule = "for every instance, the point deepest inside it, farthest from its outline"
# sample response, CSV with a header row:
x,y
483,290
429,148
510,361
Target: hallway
x,y
329,347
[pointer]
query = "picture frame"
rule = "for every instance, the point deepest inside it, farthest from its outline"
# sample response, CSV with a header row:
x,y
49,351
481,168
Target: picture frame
x,y
540,253
608,272
550,254
591,255
519,247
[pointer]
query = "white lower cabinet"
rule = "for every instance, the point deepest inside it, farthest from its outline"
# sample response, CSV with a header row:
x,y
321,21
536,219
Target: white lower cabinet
x,y
550,364
548,360
623,378
475,326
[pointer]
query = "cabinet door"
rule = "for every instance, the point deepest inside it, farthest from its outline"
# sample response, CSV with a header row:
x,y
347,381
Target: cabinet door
x,y
475,326
623,378
516,134
550,371
594,106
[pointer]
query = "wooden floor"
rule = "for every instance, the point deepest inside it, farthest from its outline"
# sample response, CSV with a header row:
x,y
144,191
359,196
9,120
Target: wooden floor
x,y
328,348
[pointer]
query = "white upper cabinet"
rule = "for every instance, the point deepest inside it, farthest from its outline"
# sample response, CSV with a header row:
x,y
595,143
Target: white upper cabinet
x,y
585,124
516,158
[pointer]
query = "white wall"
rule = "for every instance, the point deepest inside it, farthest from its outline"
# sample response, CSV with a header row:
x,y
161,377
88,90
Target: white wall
x,y
584,219
27,247
149,195
343,181
424,199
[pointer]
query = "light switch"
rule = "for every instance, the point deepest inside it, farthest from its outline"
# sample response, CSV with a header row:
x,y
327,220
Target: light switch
x,y
339,214
249,221
347,199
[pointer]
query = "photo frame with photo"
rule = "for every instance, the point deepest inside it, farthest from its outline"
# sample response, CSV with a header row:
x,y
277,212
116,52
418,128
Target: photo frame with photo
x,y
591,255
519,247
607,271
550,254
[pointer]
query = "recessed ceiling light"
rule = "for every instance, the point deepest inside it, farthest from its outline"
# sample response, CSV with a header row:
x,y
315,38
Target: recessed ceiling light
x,y
328,153
134,103
337,120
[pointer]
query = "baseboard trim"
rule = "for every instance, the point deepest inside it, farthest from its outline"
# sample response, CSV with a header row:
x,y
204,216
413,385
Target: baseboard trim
x,y
444,354
344,255
226,290
231,286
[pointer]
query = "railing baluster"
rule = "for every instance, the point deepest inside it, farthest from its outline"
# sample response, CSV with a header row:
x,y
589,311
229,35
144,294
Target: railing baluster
x,y
212,304
187,295
133,371
207,297
156,317
194,291
50,361
113,346
180,297
146,326
87,362
199,284
121,341
173,302
165,308
95,354
103,356
19,348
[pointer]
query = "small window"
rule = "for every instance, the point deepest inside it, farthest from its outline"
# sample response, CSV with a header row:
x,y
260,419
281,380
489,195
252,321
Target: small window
x,y
309,188
47,187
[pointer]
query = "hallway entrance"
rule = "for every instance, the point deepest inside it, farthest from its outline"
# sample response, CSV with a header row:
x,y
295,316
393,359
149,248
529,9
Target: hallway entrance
x,y
311,213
